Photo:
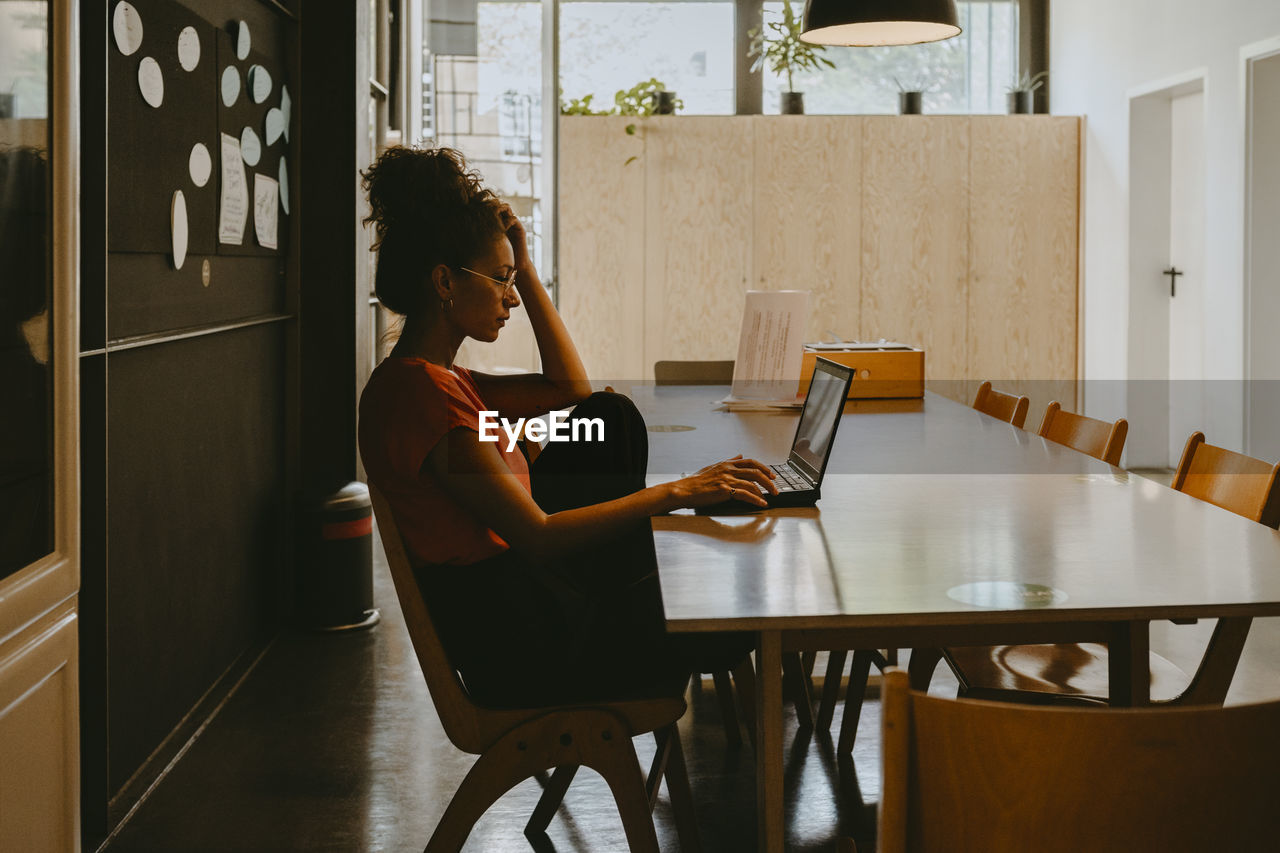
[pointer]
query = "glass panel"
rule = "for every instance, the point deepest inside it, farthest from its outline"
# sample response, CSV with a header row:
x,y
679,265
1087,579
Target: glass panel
x,y
966,74
610,46
26,413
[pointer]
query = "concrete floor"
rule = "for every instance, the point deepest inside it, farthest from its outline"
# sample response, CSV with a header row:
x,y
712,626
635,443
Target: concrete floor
x,y
332,744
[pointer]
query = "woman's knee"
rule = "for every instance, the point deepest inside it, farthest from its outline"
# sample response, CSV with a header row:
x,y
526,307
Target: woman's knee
x,y
610,406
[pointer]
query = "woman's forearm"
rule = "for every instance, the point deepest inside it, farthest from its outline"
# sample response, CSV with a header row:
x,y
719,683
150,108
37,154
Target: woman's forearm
x,y
571,529
561,363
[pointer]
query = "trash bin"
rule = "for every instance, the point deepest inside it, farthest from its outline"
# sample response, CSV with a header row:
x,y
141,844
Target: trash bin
x,y
335,566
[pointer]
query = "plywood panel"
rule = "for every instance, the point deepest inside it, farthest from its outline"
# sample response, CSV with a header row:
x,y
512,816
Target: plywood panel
x,y
1024,175
807,215
601,244
915,235
699,176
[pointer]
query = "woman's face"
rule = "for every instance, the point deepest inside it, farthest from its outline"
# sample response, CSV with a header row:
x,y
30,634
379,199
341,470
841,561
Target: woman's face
x,y
482,303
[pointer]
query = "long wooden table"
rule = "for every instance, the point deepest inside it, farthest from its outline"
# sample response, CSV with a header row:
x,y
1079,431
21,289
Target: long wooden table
x,y
938,526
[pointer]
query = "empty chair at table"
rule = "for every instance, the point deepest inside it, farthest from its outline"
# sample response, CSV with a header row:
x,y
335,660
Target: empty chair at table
x,y
965,776
1098,439
1000,405
1078,672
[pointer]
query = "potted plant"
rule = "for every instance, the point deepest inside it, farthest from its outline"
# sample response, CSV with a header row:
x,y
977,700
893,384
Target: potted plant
x,y
910,101
785,53
1022,93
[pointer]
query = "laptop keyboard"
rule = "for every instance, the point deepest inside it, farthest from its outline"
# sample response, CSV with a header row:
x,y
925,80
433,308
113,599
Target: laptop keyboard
x,y
788,480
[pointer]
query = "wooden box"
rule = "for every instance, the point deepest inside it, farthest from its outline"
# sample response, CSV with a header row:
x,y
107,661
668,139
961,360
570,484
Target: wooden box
x,y
892,370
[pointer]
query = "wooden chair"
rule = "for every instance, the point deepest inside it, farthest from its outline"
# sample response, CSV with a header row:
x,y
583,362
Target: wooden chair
x,y
1090,436
982,776
693,372
998,404
1078,672
514,744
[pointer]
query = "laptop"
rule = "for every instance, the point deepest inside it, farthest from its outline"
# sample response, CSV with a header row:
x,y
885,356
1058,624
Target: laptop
x,y
799,479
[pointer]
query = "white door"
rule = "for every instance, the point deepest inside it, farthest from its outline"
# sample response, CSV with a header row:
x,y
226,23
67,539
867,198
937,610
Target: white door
x,y
1263,260
1186,257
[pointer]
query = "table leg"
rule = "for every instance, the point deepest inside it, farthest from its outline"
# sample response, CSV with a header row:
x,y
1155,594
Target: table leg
x,y
769,805
1129,664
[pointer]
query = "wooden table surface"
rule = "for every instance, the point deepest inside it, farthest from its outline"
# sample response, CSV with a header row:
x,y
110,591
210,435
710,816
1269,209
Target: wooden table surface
x,y
939,526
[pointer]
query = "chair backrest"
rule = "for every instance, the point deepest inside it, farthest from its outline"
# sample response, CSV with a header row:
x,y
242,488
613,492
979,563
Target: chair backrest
x,y
1000,405
470,727
964,775
1098,439
1231,480
693,372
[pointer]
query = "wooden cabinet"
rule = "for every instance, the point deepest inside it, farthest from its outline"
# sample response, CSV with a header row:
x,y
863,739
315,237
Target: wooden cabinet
x,y
955,233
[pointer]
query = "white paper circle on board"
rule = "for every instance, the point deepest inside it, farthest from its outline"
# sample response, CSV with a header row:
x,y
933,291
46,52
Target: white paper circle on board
x,y
283,177
286,109
178,225
259,83
126,26
230,85
243,41
199,164
151,81
250,147
188,48
275,125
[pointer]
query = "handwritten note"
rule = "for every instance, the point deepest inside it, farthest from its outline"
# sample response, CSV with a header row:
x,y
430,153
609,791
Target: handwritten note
x,y
266,206
233,209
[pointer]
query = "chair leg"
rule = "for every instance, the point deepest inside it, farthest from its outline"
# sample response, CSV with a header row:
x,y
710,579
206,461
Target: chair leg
x,y
853,697
552,796
728,708
1212,681
681,795
621,771
831,688
797,684
744,680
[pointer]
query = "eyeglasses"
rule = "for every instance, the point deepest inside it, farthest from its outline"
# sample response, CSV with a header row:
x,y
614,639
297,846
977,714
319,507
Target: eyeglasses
x,y
507,284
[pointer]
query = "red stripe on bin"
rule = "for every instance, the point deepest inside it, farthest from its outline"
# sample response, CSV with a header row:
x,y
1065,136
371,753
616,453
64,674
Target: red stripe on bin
x,y
348,529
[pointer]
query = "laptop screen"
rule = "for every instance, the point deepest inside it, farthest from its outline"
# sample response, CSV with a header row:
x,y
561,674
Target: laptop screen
x,y
821,415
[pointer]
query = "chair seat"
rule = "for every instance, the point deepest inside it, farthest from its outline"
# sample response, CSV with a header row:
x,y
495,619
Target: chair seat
x,y
1075,670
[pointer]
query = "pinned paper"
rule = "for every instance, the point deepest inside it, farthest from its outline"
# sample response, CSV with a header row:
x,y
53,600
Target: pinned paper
x,y
242,40
250,146
233,208
275,125
286,110
199,164
266,200
230,85
771,344
178,227
284,186
151,81
188,48
259,83
126,26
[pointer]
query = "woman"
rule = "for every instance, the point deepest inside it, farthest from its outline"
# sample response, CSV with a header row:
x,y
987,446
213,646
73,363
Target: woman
x,y
541,581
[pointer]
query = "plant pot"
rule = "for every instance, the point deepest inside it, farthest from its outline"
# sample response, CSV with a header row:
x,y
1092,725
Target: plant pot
x,y
1022,102
793,103
664,103
910,103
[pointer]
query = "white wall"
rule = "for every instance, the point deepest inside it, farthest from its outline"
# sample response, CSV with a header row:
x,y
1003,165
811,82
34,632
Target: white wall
x,y
1102,50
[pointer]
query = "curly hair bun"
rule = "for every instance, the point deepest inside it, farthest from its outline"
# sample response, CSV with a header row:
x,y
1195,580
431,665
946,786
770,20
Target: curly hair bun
x,y
427,208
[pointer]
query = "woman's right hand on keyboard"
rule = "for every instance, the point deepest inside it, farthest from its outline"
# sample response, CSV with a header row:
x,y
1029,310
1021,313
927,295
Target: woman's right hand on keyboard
x,y
735,479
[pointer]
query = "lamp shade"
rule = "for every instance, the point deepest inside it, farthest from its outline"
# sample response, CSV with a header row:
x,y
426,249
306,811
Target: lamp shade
x,y
869,23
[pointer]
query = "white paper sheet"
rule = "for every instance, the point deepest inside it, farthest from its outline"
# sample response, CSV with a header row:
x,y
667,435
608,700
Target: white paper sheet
x,y
286,107
199,164
188,48
151,81
178,228
126,26
243,40
233,207
771,345
266,207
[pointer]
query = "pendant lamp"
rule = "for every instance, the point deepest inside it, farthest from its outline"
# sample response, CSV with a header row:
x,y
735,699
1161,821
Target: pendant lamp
x,y
870,23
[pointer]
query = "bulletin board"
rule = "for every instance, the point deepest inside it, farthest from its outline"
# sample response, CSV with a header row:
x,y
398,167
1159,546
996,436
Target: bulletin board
x,y
200,108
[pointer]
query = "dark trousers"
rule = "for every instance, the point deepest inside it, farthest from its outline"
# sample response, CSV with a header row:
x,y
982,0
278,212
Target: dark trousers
x,y
589,625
